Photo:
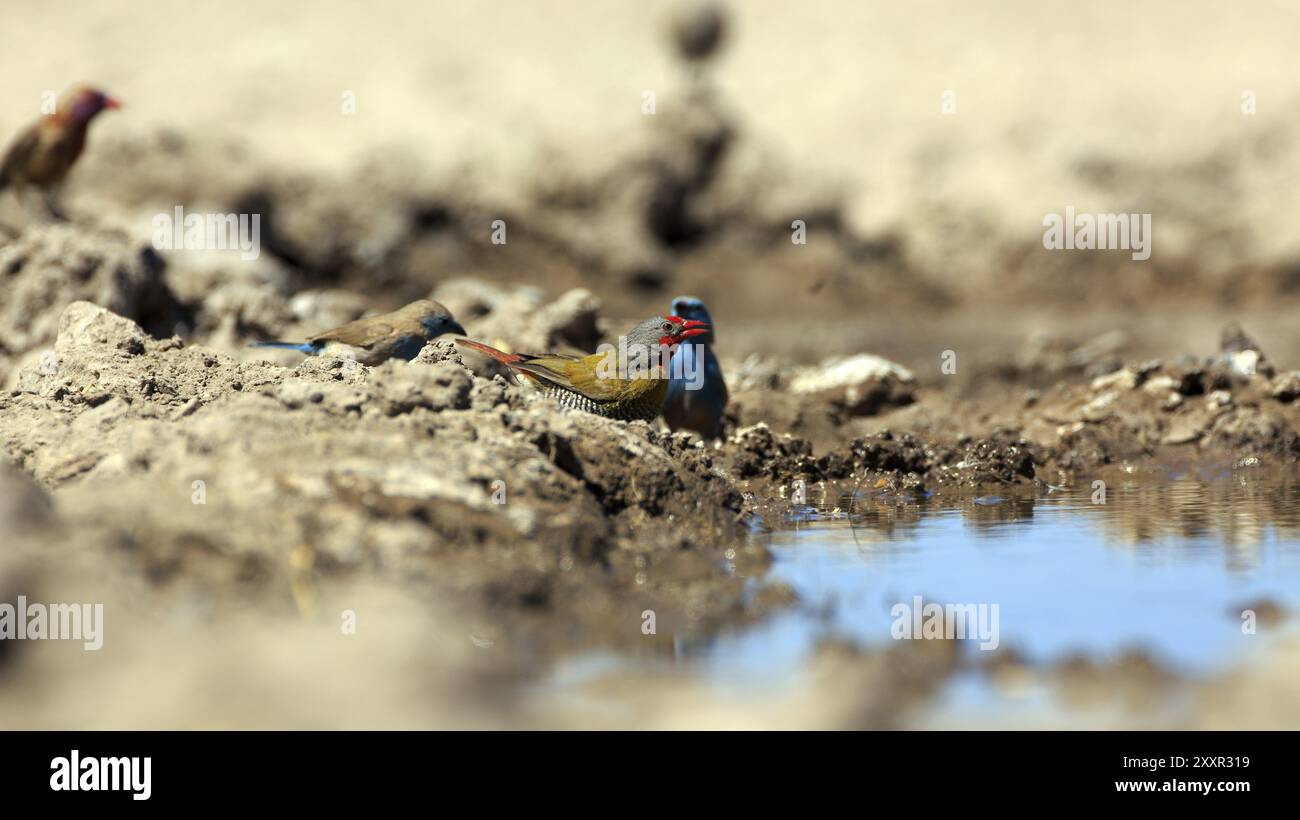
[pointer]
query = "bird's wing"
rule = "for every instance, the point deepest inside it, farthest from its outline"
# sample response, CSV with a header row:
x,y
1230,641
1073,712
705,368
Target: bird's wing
x,y
580,374
363,333
43,154
20,154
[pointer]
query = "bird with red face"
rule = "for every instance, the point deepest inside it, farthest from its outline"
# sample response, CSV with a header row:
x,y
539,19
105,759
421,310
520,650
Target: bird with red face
x,y
41,156
628,381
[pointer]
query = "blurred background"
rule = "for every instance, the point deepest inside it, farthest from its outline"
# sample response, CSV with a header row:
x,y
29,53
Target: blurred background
x,y
922,145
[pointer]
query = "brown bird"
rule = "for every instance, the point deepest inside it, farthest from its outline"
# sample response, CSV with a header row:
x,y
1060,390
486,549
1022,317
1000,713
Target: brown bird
x,y
401,334
42,155
628,382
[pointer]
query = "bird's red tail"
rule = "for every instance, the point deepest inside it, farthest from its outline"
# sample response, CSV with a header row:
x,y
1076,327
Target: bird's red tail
x,y
504,358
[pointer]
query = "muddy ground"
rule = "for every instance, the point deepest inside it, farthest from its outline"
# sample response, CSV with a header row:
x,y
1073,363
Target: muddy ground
x,y
205,494
233,507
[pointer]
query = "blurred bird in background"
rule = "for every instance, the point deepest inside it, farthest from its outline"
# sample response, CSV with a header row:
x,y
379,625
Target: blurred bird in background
x,y
374,340
595,384
697,29
698,409
41,156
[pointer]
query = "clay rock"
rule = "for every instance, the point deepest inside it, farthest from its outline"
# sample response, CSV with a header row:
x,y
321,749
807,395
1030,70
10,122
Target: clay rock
x,y
405,387
1286,386
100,356
860,385
239,311
439,350
83,325
330,230
572,319
49,267
516,318
757,451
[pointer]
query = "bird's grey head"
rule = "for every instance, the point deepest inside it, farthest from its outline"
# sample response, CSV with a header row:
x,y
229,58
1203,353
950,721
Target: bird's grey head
x,y
664,330
435,319
690,307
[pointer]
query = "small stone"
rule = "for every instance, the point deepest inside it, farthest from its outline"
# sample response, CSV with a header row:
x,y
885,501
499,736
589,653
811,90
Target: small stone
x,y
1186,428
1099,408
1161,385
1286,387
1119,380
863,384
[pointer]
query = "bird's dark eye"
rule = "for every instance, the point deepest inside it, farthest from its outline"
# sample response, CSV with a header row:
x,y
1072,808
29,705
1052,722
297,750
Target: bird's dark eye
x,y
668,326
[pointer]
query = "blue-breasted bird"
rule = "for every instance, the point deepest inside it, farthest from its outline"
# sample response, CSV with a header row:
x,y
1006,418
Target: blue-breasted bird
x,y
42,154
627,382
373,340
696,404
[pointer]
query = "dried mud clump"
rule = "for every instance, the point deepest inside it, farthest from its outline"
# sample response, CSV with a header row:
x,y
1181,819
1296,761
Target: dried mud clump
x,y
1146,410
45,268
518,318
861,385
902,460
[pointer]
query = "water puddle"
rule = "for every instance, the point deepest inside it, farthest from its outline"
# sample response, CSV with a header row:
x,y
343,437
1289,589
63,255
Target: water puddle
x,y
1165,565
1160,568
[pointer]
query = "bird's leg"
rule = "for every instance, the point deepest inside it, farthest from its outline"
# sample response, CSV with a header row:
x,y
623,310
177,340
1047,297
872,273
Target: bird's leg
x,y
52,206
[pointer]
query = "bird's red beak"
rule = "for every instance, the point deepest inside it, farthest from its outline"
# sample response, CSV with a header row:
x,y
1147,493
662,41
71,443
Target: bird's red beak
x,y
693,327
112,102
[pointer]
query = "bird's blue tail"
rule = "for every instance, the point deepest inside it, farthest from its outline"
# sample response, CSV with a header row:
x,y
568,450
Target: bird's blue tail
x,y
301,347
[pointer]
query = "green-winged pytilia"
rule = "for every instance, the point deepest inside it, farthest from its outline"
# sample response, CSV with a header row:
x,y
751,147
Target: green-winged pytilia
x,y
627,382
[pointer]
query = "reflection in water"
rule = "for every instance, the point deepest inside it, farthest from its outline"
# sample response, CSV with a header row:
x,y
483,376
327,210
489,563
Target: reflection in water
x,y
1237,511
1152,560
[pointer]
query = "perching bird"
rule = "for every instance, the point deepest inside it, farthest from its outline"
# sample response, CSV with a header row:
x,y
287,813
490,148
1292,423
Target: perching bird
x,y
401,334
697,394
42,155
627,383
